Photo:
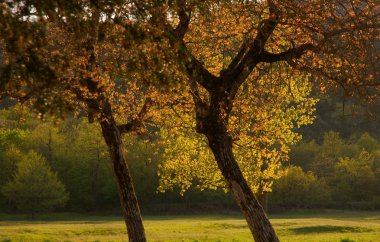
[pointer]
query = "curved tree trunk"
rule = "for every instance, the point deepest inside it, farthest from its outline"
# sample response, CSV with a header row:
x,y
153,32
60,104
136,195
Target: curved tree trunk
x,y
100,107
212,121
128,200
258,222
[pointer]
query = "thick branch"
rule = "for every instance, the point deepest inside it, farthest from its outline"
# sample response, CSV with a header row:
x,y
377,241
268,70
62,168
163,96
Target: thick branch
x,y
292,53
184,19
266,27
249,54
194,69
126,128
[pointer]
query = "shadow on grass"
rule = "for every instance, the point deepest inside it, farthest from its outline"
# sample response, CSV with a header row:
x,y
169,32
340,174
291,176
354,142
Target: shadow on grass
x,y
327,214
223,226
329,229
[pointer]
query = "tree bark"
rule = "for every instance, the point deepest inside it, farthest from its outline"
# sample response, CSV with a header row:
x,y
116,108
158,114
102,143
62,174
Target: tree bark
x,y
128,199
101,109
257,220
212,121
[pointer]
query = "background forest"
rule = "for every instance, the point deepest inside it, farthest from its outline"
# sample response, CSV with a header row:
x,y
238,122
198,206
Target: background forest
x,y
336,165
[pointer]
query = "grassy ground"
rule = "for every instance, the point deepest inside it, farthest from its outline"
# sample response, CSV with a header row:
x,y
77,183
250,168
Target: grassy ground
x,y
297,226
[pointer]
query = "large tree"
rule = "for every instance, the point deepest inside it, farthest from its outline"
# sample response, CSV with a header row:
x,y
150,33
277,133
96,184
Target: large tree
x,y
81,56
333,40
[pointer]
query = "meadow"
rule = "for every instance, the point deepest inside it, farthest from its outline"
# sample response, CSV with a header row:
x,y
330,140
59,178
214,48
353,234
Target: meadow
x,y
324,225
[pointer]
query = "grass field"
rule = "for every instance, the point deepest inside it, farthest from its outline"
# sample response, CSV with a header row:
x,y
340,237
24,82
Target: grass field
x,y
324,225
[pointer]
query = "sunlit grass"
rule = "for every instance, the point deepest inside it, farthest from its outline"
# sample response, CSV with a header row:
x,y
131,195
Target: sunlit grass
x,y
297,226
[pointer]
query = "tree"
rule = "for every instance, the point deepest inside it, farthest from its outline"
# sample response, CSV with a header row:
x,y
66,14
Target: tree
x,y
347,166
81,57
89,171
304,153
10,154
368,143
331,149
332,39
76,150
354,178
35,188
299,189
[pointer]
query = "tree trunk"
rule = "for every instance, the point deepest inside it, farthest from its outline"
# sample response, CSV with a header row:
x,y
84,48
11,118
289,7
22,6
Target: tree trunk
x,y
212,121
128,200
100,108
261,229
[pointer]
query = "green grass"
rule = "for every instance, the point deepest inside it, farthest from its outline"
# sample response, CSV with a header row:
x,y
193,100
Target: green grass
x,y
324,225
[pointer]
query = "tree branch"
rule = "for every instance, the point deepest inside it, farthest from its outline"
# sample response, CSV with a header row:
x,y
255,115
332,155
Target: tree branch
x,y
292,53
194,69
137,124
341,81
184,15
248,56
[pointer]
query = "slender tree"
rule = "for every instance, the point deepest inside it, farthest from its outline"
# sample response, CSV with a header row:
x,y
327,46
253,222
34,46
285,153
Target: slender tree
x,y
80,56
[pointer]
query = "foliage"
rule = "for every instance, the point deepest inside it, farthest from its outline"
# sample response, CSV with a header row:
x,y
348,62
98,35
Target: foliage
x,y
263,132
331,149
277,37
9,156
368,143
354,178
303,154
82,57
299,189
75,150
12,136
35,187
350,168
75,146
144,155
341,114
82,161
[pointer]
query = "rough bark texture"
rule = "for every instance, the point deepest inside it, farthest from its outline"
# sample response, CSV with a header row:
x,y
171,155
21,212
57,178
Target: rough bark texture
x,y
100,108
128,200
212,121
253,212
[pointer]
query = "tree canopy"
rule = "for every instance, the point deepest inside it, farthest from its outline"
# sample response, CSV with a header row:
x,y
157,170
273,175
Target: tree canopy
x,y
35,188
